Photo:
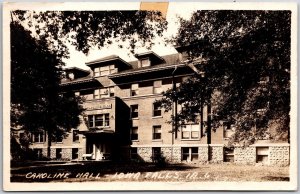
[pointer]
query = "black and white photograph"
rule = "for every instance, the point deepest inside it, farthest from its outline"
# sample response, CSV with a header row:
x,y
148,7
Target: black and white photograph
x,y
149,96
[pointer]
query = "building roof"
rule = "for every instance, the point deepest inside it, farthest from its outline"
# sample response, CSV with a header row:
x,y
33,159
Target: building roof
x,y
86,79
76,68
107,59
170,61
150,54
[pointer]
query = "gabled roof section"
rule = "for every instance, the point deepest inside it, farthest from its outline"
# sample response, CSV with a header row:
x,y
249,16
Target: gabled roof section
x,y
109,58
152,55
76,69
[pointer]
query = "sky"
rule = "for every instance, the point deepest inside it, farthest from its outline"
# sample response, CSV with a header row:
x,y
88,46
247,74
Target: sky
x,y
78,59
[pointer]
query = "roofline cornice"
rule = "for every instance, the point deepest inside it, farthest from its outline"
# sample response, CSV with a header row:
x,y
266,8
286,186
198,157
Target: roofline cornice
x,y
144,71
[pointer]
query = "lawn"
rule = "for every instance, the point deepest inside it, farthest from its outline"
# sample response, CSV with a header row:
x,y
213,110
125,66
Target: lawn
x,y
107,171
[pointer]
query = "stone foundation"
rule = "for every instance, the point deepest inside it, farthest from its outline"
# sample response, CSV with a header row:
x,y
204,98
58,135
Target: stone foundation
x,y
80,153
174,157
245,155
66,153
203,153
216,153
279,155
44,152
145,153
275,155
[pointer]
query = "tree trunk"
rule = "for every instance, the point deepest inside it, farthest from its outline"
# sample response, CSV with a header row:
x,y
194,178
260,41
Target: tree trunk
x,y
49,144
209,123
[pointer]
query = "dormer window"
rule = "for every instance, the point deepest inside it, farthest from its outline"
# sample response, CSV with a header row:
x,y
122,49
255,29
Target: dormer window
x,y
106,70
71,76
145,62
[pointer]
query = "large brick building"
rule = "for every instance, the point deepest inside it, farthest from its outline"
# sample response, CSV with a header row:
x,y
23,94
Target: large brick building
x,y
122,122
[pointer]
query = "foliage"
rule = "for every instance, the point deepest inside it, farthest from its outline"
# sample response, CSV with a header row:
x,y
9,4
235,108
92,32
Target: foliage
x,y
36,100
85,29
245,56
159,160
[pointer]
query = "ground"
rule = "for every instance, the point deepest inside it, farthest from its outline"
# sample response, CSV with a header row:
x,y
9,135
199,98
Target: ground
x,y
107,171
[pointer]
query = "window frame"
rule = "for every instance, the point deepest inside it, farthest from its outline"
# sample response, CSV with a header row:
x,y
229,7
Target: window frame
x,y
157,135
133,155
75,135
134,91
132,112
194,127
39,136
103,118
154,111
189,156
136,135
145,59
58,153
157,89
75,153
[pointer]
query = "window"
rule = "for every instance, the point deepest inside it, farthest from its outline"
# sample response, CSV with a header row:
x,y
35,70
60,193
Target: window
x,y
97,72
58,153
145,62
75,135
102,71
189,154
59,138
262,154
74,153
156,110
111,91
191,131
157,132
156,153
97,94
157,89
134,111
133,153
194,153
134,90
228,129
71,76
38,153
38,137
99,120
104,93
112,69
134,133
228,154
91,120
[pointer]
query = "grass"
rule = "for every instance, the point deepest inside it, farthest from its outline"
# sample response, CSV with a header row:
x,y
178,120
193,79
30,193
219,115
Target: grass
x,y
107,172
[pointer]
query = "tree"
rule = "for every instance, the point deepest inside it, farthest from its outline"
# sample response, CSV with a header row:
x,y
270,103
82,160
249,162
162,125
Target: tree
x,y
37,104
36,100
245,58
85,29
